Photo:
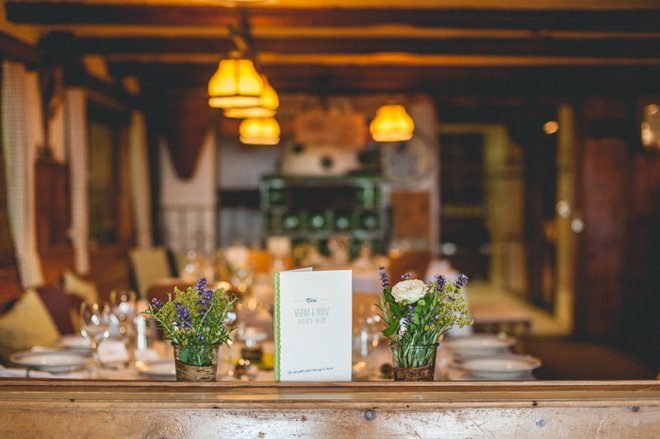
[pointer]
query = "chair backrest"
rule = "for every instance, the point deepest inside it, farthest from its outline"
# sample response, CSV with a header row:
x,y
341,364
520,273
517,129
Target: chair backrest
x,y
149,266
414,262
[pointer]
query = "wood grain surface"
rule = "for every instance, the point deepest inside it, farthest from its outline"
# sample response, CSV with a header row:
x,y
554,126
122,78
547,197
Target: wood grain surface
x,y
40,408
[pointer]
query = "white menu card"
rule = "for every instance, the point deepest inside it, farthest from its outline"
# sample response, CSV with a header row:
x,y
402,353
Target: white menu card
x,y
312,325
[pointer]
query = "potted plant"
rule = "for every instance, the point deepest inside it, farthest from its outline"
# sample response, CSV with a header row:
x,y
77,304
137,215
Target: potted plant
x,y
196,321
416,315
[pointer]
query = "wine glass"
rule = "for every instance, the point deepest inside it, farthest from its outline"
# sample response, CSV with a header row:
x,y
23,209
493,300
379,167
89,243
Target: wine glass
x,y
123,305
95,325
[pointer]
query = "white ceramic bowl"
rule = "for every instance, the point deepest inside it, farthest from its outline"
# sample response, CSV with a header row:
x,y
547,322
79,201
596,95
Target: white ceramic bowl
x,y
506,367
479,345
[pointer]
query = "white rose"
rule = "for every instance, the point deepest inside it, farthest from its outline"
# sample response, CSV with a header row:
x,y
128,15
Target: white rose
x,y
409,290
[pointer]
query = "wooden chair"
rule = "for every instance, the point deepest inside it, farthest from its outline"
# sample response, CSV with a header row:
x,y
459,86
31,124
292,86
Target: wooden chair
x,y
149,266
414,262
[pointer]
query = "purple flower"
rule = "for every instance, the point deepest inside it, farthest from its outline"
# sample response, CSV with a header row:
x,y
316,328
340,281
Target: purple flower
x,y
409,318
461,281
406,276
384,279
201,337
201,285
204,299
441,281
184,316
156,304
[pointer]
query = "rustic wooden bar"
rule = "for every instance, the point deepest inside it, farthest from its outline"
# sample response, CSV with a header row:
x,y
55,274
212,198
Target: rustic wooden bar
x,y
63,408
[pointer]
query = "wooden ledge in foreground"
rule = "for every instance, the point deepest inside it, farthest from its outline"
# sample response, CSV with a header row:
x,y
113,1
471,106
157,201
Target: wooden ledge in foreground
x,y
53,408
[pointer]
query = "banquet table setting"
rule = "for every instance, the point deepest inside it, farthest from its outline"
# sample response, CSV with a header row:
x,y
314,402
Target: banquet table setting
x,y
118,342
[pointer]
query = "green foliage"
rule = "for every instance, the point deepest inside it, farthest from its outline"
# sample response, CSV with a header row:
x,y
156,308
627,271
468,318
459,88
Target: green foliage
x,y
408,326
196,320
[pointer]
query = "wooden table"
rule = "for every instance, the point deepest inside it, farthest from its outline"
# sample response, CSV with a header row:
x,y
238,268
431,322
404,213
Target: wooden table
x,y
35,408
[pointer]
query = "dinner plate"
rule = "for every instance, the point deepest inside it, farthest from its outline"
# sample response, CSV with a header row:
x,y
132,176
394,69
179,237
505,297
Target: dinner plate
x,y
506,367
479,345
161,369
57,361
74,342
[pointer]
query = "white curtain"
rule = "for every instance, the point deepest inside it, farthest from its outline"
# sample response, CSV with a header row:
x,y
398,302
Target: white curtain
x,y
75,115
19,143
139,171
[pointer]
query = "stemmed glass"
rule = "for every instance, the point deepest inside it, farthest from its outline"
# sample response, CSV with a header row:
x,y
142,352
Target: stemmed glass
x,y
123,307
95,326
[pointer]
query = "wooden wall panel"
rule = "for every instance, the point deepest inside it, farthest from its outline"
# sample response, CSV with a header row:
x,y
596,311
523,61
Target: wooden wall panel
x,y
605,189
618,277
52,208
642,276
411,215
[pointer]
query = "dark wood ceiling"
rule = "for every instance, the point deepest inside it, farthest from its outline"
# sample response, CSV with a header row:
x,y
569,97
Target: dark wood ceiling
x,y
359,49
610,20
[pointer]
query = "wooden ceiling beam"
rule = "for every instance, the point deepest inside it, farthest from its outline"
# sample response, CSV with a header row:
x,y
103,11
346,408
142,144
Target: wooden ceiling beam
x,y
51,13
13,48
633,48
560,81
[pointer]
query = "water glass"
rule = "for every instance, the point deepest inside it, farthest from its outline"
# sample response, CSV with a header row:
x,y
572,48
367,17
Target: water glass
x,y
95,319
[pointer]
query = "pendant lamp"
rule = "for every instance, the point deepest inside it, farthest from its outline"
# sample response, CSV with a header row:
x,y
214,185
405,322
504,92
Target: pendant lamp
x,y
392,123
259,131
268,105
236,84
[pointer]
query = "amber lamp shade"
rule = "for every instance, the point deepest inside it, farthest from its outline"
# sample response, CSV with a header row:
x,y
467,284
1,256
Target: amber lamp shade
x,y
236,84
268,105
392,124
259,131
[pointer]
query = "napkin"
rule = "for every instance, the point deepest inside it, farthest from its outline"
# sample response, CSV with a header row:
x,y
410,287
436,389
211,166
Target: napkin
x,y
112,351
22,373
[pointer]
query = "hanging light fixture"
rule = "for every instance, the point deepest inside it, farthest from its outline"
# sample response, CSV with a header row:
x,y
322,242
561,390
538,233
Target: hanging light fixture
x,y
259,131
392,124
267,107
236,84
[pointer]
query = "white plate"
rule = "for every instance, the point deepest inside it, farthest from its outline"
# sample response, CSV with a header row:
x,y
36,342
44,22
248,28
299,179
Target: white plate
x,y
479,345
162,369
57,362
506,367
75,342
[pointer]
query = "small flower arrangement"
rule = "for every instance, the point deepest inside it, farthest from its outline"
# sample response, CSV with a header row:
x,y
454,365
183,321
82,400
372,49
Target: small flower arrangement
x,y
417,314
196,321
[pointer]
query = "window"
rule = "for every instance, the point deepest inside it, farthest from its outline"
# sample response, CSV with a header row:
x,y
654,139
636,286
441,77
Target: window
x,y
107,138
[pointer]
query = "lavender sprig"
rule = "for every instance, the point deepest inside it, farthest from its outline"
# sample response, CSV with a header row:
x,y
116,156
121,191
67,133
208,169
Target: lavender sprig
x,y
440,281
384,279
201,285
184,315
156,304
461,281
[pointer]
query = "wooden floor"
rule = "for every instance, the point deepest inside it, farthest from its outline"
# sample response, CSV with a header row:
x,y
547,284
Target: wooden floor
x,y
568,359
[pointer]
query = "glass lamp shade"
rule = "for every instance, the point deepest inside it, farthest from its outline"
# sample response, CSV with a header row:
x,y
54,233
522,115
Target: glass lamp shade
x,y
269,103
392,124
236,84
259,131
